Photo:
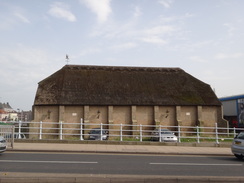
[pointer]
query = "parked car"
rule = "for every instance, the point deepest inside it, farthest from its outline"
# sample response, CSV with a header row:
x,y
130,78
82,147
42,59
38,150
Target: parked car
x,y
166,136
237,146
3,144
16,136
95,134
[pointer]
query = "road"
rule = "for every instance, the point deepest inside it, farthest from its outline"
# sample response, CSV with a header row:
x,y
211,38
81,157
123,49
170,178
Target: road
x,y
74,163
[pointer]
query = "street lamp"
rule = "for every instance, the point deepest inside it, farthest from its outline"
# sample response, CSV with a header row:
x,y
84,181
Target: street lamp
x,y
20,114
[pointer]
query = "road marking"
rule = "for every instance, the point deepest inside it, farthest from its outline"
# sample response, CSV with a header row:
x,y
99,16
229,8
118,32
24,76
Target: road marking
x,y
196,164
61,162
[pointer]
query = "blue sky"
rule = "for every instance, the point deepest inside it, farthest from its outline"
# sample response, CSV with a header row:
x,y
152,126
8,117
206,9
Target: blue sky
x,y
203,37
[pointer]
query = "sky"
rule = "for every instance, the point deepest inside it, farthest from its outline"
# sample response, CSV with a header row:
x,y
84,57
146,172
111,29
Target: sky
x,y
205,38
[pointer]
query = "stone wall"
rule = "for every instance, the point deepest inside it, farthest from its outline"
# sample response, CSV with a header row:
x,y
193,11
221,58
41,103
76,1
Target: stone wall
x,y
205,116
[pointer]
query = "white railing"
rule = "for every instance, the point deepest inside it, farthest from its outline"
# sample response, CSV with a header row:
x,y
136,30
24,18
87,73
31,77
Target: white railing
x,y
122,132
7,131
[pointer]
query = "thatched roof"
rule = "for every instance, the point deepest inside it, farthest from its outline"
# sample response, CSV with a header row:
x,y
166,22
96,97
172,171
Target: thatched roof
x,y
105,85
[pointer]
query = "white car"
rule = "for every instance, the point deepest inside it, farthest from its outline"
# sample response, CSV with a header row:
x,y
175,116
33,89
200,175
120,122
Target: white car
x,y
3,144
237,147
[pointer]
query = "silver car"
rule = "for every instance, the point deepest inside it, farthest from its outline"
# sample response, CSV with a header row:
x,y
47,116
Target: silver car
x,y
165,135
237,147
97,134
3,144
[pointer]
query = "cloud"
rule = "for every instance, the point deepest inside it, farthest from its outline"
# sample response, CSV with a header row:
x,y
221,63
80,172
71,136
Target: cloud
x,y
61,10
156,34
100,7
21,64
22,67
159,30
115,30
22,17
159,34
137,12
197,59
222,56
124,46
12,18
230,29
89,51
154,40
166,3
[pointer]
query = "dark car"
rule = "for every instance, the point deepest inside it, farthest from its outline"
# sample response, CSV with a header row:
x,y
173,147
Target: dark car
x,y
98,134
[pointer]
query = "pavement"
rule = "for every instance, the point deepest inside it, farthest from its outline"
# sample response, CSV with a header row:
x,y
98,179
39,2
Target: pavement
x,y
131,148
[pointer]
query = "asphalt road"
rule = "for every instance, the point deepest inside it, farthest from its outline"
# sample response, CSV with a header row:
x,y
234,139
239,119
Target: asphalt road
x,y
121,164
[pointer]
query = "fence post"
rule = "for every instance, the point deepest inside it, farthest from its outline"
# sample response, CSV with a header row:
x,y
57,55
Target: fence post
x,y
81,129
60,130
179,134
228,129
216,133
12,138
140,133
198,138
101,131
234,132
121,132
40,131
160,139
19,130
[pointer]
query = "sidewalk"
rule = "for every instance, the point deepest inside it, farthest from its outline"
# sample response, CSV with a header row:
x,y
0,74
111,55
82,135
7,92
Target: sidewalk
x,y
122,148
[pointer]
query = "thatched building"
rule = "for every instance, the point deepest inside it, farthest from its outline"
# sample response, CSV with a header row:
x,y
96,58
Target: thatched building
x,y
128,95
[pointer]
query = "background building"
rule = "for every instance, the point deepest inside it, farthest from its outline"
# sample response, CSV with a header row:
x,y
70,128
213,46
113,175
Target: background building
x,y
233,109
7,113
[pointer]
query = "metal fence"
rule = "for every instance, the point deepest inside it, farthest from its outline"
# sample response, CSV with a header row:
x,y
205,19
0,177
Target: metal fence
x,y
121,132
7,131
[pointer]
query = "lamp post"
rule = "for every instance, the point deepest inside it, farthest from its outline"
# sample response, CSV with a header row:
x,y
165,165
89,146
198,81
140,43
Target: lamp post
x,y
20,112
19,121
